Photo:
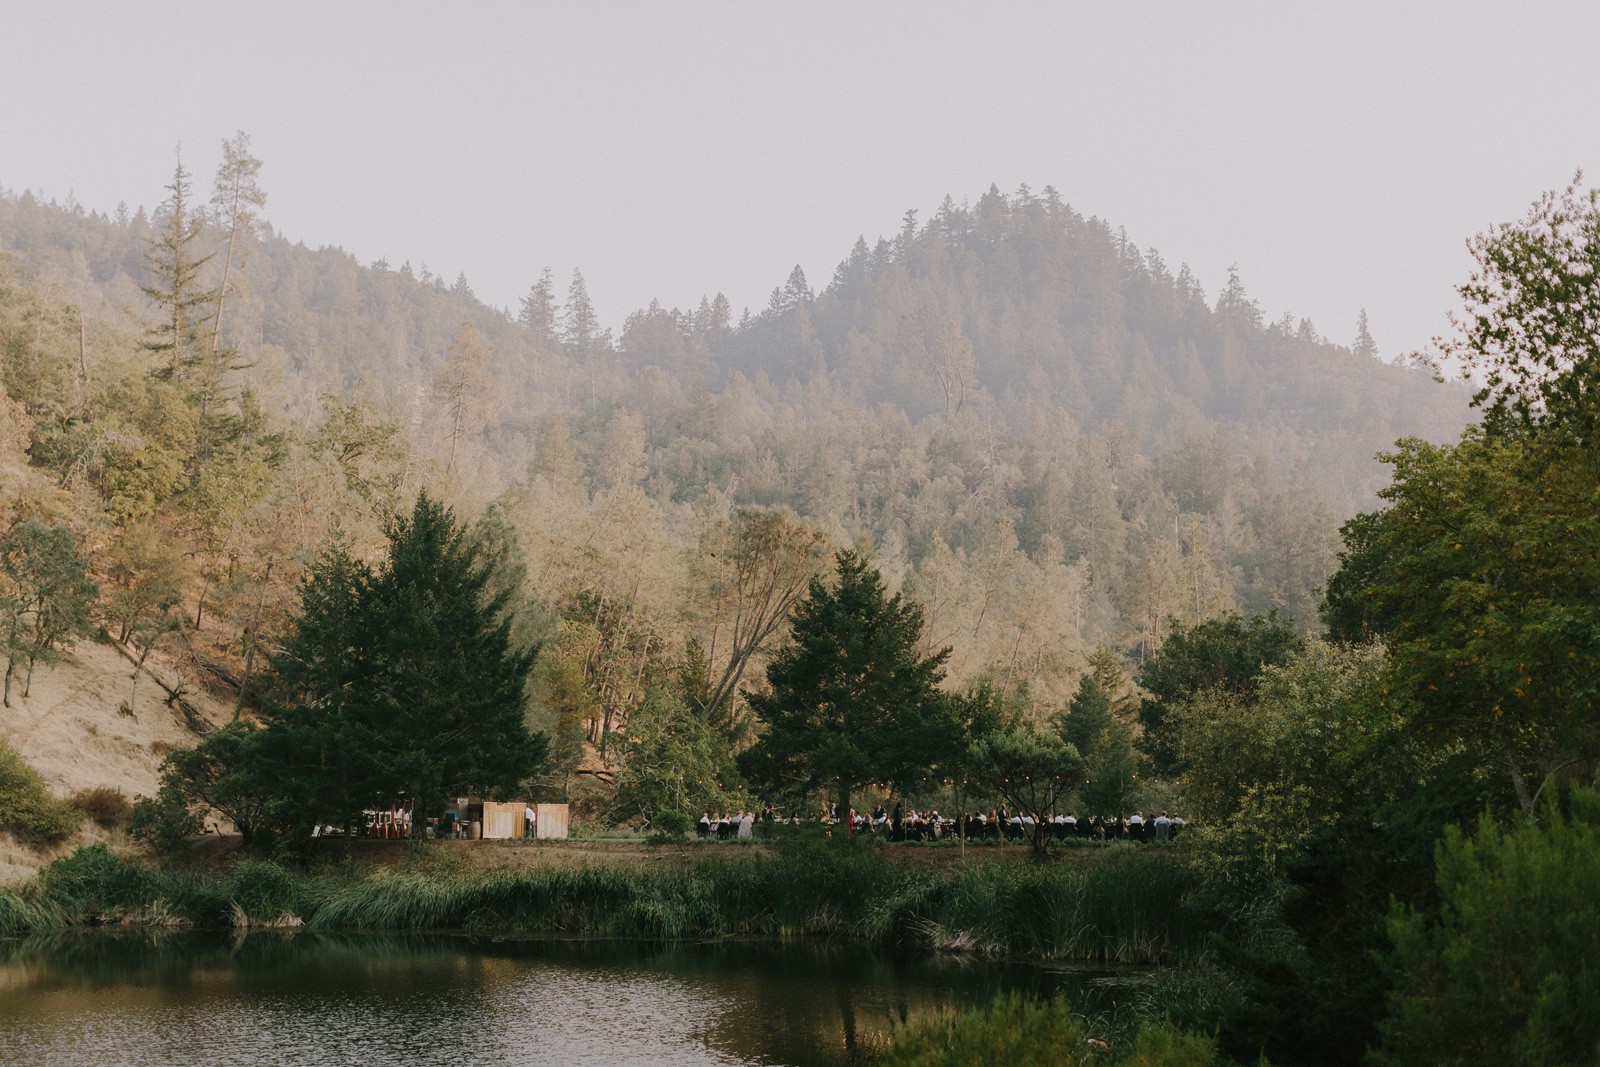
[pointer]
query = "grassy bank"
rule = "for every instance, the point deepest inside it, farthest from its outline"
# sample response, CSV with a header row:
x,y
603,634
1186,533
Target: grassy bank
x,y
1126,908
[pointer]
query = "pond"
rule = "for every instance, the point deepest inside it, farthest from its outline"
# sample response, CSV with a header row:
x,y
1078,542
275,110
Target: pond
x,y
140,998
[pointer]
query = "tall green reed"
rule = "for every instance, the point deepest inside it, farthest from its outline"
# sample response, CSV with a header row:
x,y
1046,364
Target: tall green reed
x,y
1126,907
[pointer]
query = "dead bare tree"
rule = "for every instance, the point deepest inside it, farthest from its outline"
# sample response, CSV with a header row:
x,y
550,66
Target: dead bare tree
x,y
940,343
761,563
465,387
237,199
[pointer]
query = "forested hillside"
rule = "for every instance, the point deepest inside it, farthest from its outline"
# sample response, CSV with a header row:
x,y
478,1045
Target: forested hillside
x,y
1045,436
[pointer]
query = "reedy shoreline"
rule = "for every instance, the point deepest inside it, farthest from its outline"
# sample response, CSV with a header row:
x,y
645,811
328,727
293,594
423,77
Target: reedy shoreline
x,y
1128,907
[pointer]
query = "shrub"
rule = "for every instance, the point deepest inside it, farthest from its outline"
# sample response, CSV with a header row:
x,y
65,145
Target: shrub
x,y
165,823
668,826
1509,970
106,806
28,810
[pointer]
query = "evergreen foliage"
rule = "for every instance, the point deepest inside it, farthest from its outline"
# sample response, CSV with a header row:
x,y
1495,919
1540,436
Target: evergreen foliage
x,y
853,700
396,682
1507,971
1105,743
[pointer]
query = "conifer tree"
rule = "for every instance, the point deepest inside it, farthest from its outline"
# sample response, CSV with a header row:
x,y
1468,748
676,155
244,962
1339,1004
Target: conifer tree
x,y
581,328
852,699
538,318
538,314
1365,345
174,262
447,691
324,676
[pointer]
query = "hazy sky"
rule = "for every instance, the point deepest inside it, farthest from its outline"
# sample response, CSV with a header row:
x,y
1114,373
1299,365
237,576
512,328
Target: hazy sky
x,y
1339,154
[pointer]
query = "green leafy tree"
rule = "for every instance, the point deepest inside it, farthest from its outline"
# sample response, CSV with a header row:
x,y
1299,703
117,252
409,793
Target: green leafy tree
x,y
1031,770
233,772
852,699
1492,581
1308,754
1484,572
1529,323
971,717
45,596
671,759
1355,608
1222,653
148,571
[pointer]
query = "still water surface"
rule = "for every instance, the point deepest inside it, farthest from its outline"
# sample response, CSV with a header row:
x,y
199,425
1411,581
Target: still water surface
x,y
99,999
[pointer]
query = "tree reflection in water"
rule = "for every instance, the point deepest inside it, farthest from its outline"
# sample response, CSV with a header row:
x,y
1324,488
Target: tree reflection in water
x,y
313,998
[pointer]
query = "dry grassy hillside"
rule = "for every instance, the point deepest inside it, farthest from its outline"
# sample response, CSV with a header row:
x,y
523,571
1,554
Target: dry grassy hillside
x,y
71,728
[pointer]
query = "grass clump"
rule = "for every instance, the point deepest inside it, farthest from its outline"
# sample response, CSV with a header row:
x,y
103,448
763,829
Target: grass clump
x,y
29,811
1015,1031
1011,1030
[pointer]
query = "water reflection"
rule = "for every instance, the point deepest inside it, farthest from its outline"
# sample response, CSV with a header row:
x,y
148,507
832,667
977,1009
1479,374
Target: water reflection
x,y
317,999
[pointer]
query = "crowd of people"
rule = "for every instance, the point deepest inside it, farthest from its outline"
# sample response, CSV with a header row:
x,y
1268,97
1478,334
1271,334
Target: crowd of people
x,y
995,825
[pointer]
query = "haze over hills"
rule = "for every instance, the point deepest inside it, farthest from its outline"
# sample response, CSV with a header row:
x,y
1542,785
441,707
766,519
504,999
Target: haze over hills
x,y
1021,306
1050,439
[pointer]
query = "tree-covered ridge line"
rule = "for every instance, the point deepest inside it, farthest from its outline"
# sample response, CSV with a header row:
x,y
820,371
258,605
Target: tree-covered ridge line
x,y
1017,306
204,466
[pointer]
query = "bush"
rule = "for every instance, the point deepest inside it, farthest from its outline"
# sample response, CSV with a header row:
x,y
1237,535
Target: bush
x,y
28,810
668,826
106,806
1509,970
165,823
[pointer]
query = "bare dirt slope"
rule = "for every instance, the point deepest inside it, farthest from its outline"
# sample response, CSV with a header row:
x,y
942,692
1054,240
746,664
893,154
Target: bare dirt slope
x,y
70,728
